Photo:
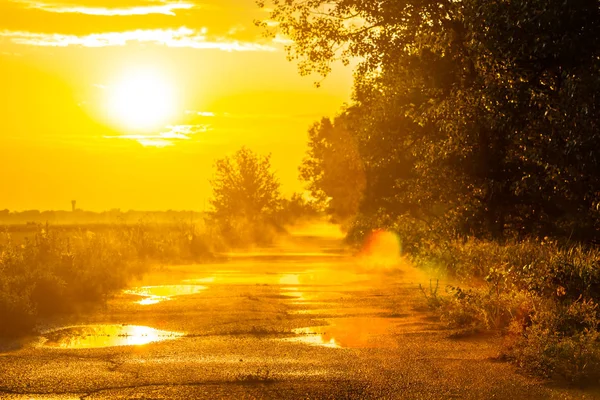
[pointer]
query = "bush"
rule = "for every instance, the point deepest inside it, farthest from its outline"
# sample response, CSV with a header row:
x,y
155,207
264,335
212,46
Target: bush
x,y
484,309
59,270
562,340
543,296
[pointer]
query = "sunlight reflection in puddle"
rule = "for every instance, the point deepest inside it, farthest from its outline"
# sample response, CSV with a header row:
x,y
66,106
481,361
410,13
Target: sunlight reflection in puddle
x,y
210,279
355,332
340,311
311,296
156,294
97,336
310,277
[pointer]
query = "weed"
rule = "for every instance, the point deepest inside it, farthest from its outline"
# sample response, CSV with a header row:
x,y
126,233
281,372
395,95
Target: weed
x,y
56,270
542,296
433,301
262,375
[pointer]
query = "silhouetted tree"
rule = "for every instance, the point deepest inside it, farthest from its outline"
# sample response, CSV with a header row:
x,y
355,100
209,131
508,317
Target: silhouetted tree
x,y
333,168
244,186
298,209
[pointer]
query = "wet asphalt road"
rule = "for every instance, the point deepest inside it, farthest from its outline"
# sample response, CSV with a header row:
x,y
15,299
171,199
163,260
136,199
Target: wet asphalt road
x,y
300,321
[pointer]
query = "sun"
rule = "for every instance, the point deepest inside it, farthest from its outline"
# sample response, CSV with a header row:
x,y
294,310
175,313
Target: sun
x,y
141,100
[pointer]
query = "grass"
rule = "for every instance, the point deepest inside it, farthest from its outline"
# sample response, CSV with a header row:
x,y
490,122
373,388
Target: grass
x,y
262,375
542,296
47,270
50,270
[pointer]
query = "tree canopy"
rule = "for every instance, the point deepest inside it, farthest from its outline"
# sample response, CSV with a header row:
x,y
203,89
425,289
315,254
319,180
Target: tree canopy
x,y
244,187
482,116
333,168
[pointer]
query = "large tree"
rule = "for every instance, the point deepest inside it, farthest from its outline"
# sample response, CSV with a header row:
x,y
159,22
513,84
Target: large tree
x,y
333,168
483,114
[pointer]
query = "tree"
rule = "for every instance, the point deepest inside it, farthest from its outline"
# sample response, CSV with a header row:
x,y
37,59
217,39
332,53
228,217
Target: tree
x,y
298,209
480,114
245,187
333,168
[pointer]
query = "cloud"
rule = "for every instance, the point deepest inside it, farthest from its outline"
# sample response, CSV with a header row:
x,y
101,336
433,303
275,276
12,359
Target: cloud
x,y
282,39
10,54
181,37
185,130
252,116
231,19
167,138
155,142
165,8
207,114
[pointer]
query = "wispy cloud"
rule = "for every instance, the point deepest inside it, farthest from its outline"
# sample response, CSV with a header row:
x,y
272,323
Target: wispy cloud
x,y
252,116
155,142
184,131
165,8
167,138
201,113
181,37
10,54
282,39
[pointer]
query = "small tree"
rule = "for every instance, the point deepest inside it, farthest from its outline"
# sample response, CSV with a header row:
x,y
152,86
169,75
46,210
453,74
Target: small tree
x,y
245,195
297,209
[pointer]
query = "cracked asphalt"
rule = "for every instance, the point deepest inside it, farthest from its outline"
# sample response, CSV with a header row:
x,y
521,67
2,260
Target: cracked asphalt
x,y
301,321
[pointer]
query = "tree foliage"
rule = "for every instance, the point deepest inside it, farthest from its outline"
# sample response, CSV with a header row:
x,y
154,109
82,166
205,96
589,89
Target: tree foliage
x,y
333,168
480,116
297,209
244,187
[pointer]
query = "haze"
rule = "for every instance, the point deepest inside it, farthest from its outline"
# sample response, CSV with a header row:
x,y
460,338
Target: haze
x,y
317,199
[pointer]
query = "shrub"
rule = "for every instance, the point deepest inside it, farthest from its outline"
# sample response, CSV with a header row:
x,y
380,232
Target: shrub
x,y
542,295
484,309
562,340
59,270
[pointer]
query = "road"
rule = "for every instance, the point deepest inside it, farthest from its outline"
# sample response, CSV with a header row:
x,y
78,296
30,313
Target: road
x,y
302,320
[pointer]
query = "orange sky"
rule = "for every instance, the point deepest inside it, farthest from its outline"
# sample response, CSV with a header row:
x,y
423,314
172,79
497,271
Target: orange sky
x,y
69,130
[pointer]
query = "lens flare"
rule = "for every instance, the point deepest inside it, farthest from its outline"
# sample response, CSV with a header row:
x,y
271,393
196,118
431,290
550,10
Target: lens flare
x,y
382,249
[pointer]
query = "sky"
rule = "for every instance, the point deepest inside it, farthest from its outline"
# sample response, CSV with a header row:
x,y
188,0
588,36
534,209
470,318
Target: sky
x,y
128,103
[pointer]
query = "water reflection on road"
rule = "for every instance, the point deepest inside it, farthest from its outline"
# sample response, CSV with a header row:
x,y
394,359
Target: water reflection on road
x,y
313,284
354,332
97,336
156,294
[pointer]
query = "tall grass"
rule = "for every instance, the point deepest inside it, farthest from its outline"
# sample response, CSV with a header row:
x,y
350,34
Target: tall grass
x,y
542,296
56,270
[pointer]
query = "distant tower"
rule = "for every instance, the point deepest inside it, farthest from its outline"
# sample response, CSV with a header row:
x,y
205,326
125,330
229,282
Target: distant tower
x,y
73,204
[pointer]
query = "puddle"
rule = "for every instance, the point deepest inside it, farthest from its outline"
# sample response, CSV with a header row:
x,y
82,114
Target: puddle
x,y
97,336
210,279
355,332
156,294
341,311
311,277
311,296
325,278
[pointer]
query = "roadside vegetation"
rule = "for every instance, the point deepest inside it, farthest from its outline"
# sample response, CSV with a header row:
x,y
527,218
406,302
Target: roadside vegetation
x,y
52,269
247,206
469,135
541,296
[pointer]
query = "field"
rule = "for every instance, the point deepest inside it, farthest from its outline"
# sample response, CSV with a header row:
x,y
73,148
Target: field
x,y
47,270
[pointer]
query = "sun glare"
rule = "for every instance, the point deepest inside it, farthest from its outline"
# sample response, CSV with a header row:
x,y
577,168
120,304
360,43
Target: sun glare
x,y
141,100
